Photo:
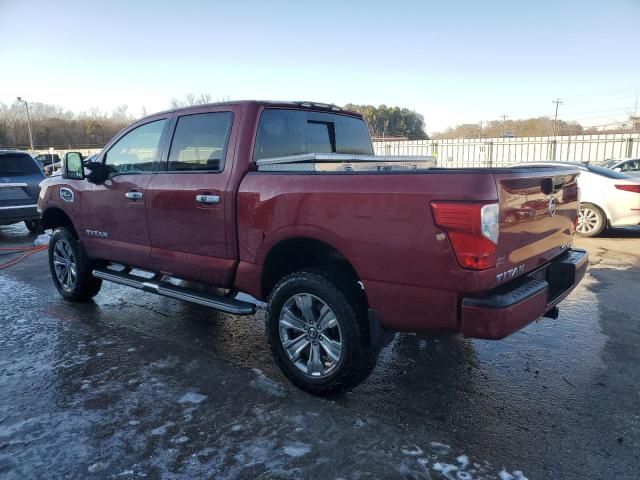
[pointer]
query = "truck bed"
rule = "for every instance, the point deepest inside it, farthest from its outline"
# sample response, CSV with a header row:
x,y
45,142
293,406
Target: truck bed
x,y
383,223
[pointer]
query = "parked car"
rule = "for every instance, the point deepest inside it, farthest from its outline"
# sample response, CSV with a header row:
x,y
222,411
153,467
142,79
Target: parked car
x,y
52,168
286,203
608,198
630,166
47,159
20,176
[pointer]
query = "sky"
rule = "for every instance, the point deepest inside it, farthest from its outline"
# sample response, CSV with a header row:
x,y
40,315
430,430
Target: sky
x,y
454,62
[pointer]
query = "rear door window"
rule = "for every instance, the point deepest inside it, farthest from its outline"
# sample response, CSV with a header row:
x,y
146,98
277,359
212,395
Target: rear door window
x,y
16,164
284,132
200,142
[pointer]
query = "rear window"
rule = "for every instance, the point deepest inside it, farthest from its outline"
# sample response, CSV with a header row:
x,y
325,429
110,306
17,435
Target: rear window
x,y
292,132
17,164
607,172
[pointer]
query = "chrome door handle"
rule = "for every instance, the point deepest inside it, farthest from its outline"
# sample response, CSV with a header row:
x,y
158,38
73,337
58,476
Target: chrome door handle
x,y
208,198
133,195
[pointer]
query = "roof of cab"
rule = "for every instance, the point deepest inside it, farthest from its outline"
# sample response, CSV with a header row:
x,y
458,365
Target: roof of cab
x,y
310,105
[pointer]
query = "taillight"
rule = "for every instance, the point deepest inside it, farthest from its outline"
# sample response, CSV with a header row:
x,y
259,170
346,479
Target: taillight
x,y
629,188
473,230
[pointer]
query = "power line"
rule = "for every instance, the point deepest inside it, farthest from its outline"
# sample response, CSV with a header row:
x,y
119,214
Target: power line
x,y
602,93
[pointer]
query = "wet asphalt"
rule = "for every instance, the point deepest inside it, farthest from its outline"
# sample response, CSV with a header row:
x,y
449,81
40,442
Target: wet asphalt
x,y
133,385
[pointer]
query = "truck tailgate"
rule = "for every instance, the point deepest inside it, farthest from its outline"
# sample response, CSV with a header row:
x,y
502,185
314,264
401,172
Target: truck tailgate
x,y
538,211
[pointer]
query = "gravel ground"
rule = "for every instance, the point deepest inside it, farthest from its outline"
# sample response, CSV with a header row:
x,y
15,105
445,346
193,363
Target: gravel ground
x,y
137,386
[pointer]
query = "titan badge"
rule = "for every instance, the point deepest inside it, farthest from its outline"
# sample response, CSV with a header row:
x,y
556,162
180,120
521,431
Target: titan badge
x,y
97,233
510,274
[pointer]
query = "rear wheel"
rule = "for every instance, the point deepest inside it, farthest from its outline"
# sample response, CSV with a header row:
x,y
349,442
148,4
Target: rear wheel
x,y
70,267
591,220
316,333
34,226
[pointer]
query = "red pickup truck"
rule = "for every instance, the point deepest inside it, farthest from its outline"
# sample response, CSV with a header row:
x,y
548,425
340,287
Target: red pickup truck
x,y
286,204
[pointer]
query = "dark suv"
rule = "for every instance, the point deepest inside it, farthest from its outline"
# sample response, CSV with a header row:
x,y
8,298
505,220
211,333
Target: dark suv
x,y
20,176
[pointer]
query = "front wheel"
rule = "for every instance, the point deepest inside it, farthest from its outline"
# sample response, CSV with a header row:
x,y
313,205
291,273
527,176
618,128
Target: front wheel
x,y
316,333
70,267
591,220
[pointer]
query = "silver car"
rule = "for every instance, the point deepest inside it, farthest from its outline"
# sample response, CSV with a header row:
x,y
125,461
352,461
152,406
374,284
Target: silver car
x,y
608,198
630,166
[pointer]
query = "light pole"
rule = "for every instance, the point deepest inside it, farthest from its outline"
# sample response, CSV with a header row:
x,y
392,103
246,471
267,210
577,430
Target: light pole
x,y
28,120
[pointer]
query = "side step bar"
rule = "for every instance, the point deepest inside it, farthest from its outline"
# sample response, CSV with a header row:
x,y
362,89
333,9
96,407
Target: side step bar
x,y
219,302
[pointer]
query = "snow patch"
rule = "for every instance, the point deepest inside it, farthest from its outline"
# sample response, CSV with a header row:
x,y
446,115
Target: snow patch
x,y
445,468
267,385
439,446
504,475
297,450
162,429
412,450
96,467
42,239
517,475
463,460
192,397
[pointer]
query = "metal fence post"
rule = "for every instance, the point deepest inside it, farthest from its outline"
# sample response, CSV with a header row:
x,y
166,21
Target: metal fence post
x,y
552,149
490,153
629,147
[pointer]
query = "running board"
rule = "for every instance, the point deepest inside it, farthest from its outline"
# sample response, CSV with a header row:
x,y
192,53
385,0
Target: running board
x,y
219,302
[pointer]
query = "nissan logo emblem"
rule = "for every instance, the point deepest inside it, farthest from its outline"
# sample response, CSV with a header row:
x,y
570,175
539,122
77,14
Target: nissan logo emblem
x,y
553,205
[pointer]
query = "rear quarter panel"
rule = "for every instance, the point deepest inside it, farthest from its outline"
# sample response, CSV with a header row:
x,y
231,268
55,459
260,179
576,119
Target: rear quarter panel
x,y
382,224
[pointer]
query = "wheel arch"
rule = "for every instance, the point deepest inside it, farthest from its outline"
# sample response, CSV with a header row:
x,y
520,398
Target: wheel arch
x,y
54,217
297,253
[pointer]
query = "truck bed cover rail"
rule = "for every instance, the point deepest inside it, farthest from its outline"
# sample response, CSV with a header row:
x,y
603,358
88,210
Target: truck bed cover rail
x,y
341,162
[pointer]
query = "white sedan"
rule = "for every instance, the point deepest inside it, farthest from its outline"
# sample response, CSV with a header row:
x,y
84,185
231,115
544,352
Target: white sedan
x,y
607,198
630,166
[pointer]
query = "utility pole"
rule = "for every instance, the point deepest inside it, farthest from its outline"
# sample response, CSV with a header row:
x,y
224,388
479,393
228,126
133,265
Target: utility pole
x,y
557,101
28,120
504,117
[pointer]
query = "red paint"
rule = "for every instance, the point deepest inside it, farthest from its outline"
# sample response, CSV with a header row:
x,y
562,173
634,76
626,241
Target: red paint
x,y
381,223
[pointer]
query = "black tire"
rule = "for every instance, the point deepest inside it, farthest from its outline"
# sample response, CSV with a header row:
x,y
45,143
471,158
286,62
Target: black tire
x,y
34,226
357,358
592,220
85,286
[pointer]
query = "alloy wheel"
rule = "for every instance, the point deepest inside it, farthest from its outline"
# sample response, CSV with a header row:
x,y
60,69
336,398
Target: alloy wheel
x,y
310,335
588,220
64,262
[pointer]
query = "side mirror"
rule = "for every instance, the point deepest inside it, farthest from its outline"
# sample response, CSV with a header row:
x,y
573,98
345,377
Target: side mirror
x,y
99,172
617,169
72,167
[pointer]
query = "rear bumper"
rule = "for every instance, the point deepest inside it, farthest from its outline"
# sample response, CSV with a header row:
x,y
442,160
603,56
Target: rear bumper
x,y
18,213
513,306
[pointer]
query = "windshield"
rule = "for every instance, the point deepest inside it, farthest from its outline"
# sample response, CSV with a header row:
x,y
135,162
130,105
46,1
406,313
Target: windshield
x,y
17,164
607,163
606,172
292,132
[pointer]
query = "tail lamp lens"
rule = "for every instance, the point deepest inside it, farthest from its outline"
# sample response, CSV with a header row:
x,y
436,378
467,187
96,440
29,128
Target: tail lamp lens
x,y
473,230
629,188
